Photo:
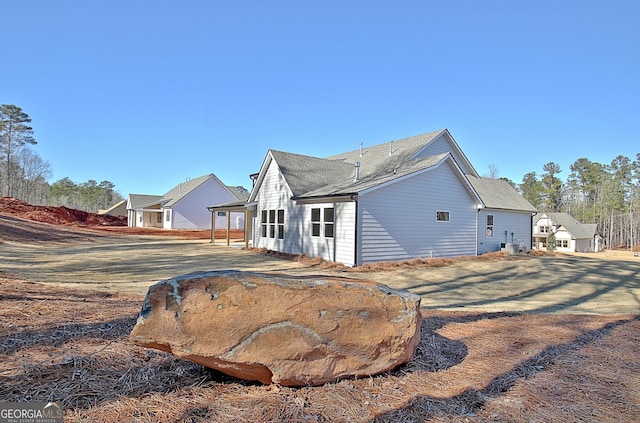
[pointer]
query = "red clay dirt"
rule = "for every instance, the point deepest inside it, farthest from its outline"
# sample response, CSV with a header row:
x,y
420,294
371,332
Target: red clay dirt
x,y
65,216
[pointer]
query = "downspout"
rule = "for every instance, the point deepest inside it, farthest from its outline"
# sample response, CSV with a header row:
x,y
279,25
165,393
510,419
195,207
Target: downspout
x,y
477,229
531,233
354,198
213,226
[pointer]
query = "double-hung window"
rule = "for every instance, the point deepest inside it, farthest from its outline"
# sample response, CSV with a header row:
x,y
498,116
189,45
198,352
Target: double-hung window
x,y
272,223
489,226
323,222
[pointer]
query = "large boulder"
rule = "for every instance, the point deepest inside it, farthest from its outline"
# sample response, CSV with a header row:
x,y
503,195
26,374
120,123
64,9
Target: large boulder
x,y
275,328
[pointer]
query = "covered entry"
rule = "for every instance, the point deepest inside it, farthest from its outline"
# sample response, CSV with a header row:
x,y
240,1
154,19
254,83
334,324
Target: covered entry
x,y
236,211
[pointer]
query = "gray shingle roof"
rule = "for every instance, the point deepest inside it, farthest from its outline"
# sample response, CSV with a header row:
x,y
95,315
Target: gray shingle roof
x,y
576,229
498,194
139,201
310,177
316,177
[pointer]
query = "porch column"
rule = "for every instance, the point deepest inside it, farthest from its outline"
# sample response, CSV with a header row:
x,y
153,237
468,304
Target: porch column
x,y
228,228
213,226
246,231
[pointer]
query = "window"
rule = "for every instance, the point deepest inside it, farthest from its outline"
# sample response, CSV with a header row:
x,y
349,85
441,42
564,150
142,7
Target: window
x,y
489,226
167,216
140,218
328,222
263,223
544,229
159,218
272,223
442,216
315,222
563,243
281,224
323,223
222,213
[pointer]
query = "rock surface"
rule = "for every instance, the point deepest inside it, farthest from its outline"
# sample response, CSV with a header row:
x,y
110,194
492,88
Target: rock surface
x,y
292,331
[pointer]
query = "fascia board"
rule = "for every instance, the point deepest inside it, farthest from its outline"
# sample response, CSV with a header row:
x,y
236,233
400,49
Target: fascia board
x,y
460,152
263,171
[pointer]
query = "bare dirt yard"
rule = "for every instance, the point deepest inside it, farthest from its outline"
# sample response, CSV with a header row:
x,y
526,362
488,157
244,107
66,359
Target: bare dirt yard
x,y
504,338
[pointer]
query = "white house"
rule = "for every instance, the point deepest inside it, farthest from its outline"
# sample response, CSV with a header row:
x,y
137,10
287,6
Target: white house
x,y
184,206
415,197
571,235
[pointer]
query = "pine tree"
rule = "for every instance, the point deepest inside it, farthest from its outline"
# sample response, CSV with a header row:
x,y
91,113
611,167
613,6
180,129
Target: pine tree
x,y
14,133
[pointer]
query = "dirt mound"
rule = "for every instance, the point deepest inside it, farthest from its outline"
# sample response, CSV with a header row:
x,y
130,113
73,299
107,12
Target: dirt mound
x,y
57,215
28,226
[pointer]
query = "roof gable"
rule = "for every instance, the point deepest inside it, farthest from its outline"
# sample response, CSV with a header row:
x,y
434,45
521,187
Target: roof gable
x,y
380,164
183,189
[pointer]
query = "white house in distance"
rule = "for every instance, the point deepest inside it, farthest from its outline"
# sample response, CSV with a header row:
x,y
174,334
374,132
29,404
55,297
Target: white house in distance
x,y
571,235
415,197
184,206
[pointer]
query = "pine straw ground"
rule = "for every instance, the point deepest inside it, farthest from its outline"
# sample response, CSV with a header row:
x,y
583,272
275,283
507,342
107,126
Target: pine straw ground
x,y
72,346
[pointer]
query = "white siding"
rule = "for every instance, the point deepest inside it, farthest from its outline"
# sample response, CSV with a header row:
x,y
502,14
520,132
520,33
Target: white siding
x,y
563,235
346,233
398,222
508,227
441,145
274,194
191,212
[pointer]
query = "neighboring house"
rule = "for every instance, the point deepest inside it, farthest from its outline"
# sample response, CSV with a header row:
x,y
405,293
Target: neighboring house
x,y
570,234
118,209
415,197
184,206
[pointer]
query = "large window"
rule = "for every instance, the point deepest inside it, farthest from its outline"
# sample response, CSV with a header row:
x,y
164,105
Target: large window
x,y
167,216
272,223
489,226
442,216
323,222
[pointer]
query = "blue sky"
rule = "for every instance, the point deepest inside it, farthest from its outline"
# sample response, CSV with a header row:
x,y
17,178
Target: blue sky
x,y
148,93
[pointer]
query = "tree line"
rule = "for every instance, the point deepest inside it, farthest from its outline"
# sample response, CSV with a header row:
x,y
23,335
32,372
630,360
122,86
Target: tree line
x,y
605,194
24,174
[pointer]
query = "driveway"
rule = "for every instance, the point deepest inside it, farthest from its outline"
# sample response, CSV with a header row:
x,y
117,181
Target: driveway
x,y
548,284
